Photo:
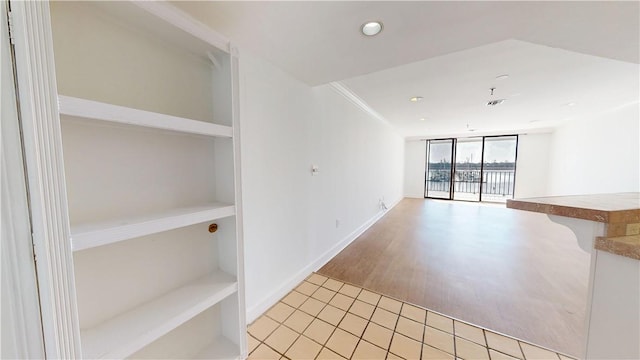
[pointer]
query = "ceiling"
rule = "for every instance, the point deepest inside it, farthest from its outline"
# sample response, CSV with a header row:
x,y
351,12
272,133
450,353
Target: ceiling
x,y
545,87
450,53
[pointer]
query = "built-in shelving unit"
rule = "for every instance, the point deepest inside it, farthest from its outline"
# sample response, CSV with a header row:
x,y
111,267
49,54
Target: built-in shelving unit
x,y
127,333
147,98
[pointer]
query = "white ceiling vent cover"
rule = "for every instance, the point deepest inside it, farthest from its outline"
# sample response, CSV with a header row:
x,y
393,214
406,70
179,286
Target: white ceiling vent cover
x,y
496,102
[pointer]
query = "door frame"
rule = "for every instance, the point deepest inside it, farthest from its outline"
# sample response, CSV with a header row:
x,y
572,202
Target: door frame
x,y
19,286
515,159
454,165
452,171
42,142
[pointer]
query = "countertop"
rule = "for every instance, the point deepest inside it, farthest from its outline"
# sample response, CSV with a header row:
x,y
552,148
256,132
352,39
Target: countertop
x,y
605,208
620,212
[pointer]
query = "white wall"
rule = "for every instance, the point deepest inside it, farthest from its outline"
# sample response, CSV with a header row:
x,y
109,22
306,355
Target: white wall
x,y
414,167
275,129
360,161
532,169
599,154
294,221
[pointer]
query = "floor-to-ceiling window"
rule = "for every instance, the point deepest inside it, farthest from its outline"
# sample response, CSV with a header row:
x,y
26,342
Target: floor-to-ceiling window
x,y
439,168
499,168
468,168
471,169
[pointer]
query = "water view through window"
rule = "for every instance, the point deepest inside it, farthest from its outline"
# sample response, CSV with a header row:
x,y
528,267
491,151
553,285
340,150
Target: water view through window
x,y
439,168
483,170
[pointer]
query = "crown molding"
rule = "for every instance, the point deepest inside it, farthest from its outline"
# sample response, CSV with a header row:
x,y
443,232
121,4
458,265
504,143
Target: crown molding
x,y
343,90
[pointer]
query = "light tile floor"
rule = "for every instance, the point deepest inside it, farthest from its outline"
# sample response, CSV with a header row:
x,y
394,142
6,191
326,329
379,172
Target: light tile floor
x,y
324,318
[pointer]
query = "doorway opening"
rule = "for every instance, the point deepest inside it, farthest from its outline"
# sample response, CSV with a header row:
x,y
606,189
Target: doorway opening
x,y
471,169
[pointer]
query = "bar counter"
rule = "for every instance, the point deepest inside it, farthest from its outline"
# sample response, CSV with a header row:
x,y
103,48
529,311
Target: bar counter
x,y
619,212
607,226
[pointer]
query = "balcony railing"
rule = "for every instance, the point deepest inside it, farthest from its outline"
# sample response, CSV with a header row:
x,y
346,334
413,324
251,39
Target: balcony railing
x,y
494,182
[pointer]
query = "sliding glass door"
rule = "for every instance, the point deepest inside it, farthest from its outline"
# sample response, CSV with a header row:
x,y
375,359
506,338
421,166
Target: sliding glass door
x,y
471,169
499,168
466,179
439,169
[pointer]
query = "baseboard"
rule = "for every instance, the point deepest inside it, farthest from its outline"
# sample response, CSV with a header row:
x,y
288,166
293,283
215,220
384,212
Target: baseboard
x,y
329,254
272,298
414,196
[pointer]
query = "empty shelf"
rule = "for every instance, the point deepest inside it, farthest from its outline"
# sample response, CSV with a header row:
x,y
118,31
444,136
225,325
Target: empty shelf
x,y
129,332
96,110
85,236
220,348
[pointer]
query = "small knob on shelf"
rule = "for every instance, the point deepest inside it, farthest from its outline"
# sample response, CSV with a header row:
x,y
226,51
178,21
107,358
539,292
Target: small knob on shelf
x,y
213,228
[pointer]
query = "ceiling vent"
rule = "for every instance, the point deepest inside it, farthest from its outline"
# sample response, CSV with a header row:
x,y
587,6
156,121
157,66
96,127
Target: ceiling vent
x,y
495,102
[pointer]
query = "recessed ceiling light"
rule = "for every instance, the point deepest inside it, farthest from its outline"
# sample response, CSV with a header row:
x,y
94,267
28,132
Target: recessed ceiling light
x,y
502,77
423,119
416,99
570,104
371,28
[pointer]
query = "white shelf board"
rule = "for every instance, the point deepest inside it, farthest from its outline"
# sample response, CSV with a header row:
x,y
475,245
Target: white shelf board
x,y
127,333
85,236
96,110
220,348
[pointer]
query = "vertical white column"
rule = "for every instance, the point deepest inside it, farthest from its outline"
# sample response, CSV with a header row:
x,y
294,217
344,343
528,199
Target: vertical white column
x,y
614,328
45,176
20,329
612,319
